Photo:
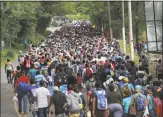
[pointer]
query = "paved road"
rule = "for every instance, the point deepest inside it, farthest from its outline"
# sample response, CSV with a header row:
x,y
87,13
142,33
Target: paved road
x,y
7,92
7,105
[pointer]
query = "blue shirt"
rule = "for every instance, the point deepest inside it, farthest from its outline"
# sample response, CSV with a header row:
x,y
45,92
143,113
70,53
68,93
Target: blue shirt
x,y
32,73
126,103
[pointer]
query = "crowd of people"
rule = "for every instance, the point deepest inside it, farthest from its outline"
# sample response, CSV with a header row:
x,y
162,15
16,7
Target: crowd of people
x,y
79,73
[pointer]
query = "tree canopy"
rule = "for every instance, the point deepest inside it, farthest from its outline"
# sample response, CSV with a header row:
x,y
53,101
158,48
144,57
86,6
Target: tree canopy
x,y
20,20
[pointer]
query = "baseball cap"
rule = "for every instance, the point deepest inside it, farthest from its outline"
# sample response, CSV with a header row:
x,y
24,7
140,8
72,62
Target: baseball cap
x,y
56,88
121,77
125,79
138,87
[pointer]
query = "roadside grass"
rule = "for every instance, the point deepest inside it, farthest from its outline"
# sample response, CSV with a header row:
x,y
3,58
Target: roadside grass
x,y
136,57
12,53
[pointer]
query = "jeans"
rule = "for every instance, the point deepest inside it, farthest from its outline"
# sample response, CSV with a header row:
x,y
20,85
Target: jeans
x,y
24,103
35,113
115,110
9,75
82,113
152,113
42,112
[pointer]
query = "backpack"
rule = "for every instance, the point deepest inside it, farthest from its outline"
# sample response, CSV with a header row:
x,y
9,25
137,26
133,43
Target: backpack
x,y
28,64
88,72
32,94
63,88
140,103
75,101
59,99
124,89
157,105
101,100
24,87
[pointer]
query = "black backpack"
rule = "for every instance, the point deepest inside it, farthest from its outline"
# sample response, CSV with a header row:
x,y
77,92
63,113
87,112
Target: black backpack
x,y
59,100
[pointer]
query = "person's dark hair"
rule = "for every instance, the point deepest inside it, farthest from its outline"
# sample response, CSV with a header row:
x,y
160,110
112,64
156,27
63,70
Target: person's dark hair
x,y
143,56
37,72
122,68
76,88
18,68
132,63
8,60
73,62
140,68
32,65
149,87
45,64
127,57
111,87
70,87
42,83
98,84
86,65
32,81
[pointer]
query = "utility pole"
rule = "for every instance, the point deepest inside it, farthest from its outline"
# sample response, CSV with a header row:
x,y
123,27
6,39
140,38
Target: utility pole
x,y
130,31
123,28
110,27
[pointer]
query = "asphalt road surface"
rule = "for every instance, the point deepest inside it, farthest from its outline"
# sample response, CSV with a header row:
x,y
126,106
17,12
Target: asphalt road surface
x,y
8,107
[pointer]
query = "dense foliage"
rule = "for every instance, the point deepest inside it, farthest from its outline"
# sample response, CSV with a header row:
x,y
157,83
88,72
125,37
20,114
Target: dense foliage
x,y
24,20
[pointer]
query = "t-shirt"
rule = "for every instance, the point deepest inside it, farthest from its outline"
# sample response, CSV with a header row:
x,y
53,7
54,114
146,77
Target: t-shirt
x,y
114,97
22,79
32,73
150,107
42,94
126,103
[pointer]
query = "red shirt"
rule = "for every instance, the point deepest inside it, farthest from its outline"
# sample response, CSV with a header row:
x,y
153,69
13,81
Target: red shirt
x,y
22,79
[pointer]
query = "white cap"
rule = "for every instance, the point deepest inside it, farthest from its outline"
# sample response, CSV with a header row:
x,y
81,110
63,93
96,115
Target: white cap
x,y
121,77
56,88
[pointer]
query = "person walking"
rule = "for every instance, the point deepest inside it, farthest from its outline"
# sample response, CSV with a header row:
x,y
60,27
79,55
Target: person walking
x,y
8,70
43,99
139,100
114,102
150,102
58,99
21,94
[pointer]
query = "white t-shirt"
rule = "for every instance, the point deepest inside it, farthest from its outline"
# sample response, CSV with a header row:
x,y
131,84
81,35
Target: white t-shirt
x,y
42,94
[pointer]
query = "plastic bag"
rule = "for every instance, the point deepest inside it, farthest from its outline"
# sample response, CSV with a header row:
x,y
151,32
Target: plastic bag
x,y
15,99
146,112
89,114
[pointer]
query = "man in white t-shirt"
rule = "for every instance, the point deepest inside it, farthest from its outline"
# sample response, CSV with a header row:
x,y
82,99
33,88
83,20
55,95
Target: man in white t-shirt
x,y
43,99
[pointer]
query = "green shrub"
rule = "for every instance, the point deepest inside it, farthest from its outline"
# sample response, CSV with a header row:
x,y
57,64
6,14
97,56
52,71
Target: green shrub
x,y
47,33
10,53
